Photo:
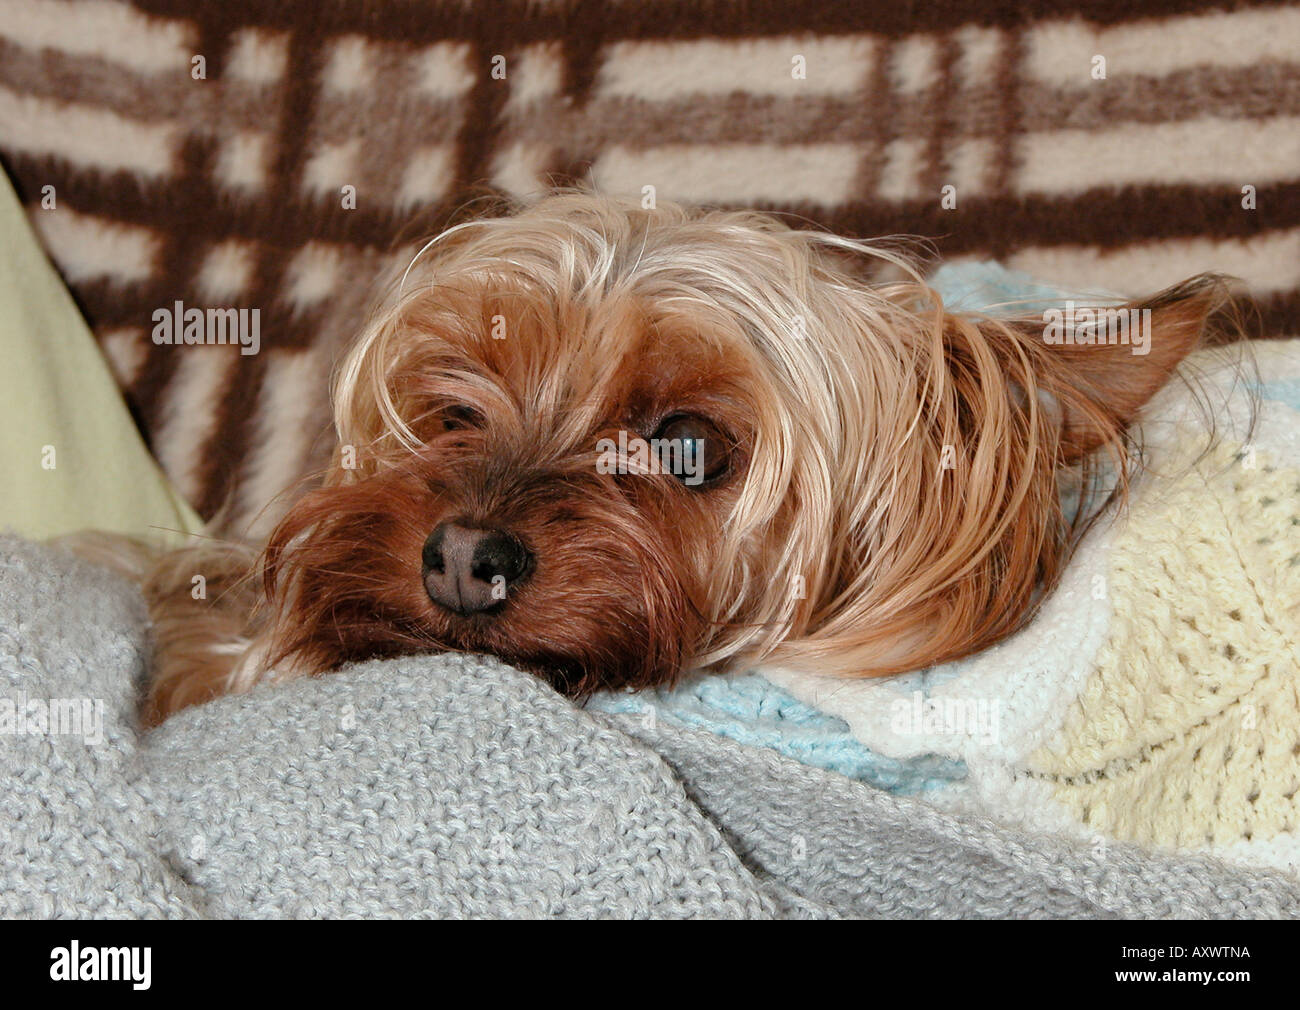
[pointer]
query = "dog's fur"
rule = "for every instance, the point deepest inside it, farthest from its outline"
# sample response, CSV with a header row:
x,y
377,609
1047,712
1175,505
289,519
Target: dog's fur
x,y
891,472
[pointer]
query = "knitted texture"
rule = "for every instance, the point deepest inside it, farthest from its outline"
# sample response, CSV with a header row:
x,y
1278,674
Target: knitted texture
x,y
1189,730
750,709
457,786
78,837
1153,698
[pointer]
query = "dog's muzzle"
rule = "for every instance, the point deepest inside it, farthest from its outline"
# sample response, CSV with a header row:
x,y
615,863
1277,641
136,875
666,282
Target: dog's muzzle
x,y
469,570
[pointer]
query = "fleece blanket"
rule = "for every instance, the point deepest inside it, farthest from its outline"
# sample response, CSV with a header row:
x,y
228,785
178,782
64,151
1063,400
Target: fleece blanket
x,y
456,786
280,157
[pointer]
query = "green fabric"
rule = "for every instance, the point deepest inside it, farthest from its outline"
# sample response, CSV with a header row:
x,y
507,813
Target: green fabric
x,y
59,405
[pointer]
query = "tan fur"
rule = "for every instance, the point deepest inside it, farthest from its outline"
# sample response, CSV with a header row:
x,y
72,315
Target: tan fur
x,y
842,542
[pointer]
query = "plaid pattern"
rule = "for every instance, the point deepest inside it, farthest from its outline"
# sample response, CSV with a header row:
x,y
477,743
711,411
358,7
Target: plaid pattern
x,y
227,188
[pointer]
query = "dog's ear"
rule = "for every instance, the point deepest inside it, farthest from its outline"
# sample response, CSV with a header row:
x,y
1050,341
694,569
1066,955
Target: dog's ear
x,y
969,531
1094,368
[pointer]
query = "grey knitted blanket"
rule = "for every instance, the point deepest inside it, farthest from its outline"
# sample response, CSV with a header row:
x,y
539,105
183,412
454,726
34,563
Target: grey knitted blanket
x,y
457,786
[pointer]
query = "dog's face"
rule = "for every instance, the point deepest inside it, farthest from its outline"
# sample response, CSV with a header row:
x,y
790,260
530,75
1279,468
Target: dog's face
x,y
496,530
609,445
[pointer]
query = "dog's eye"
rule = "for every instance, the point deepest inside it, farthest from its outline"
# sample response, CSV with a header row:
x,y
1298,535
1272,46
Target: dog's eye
x,y
694,448
458,417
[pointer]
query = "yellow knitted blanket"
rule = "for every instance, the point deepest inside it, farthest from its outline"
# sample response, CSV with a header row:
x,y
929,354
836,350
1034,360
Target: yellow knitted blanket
x,y
1188,730
1155,698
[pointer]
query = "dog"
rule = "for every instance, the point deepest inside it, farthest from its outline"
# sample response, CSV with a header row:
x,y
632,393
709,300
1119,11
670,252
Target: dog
x,y
611,444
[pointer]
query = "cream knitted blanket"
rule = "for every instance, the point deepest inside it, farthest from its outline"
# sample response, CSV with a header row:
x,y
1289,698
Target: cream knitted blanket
x,y
1156,697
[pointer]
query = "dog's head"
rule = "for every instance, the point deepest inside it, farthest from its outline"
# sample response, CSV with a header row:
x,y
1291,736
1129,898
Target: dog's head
x,y
610,444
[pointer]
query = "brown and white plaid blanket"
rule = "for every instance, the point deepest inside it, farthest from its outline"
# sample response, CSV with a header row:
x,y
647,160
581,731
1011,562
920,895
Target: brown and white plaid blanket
x,y
281,156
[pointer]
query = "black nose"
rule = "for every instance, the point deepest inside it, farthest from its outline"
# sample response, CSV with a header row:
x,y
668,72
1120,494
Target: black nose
x,y
468,570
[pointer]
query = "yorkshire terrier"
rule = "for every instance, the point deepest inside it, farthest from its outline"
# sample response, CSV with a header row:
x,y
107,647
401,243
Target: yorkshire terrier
x,y
611,445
